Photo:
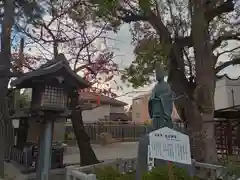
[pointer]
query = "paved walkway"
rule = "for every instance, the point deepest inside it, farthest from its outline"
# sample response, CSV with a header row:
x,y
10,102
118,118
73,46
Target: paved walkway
x,y
111,151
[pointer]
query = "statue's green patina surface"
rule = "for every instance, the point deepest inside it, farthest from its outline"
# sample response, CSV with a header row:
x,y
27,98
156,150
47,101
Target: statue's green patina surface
x,y
160,104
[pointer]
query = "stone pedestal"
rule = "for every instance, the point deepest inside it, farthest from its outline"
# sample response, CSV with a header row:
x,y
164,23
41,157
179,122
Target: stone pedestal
x,y
142,160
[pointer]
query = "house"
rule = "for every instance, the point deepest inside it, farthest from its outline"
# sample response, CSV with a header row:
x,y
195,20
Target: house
x,y
227,115
108,109
140,109
227,93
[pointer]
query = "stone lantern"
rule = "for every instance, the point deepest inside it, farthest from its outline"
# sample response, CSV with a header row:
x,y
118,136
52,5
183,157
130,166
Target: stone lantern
x,y
51,86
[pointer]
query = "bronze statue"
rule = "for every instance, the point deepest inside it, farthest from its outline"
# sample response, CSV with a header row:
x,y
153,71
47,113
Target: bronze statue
x,y
160,105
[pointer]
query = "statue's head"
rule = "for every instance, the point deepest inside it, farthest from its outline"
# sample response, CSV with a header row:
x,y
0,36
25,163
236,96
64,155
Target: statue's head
x,y
160,72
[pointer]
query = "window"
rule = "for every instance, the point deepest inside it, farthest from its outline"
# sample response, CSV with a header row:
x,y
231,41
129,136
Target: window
x,y
138,115
137,101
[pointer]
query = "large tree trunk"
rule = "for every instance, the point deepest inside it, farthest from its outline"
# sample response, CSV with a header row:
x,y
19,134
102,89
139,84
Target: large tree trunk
x,y
3,119
202,146
87,155
6,130
205,81
201,133
199,129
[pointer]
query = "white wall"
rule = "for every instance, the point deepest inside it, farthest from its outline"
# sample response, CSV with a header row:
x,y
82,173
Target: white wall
x,y
221,96
136,109
227,93
235,93
117,109
96,114
140,108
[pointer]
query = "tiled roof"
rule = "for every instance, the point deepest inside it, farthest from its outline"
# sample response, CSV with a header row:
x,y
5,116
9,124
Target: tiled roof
x,y
92,96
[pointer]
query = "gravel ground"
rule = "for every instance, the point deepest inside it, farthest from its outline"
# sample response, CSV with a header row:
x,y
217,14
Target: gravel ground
x,y
111,151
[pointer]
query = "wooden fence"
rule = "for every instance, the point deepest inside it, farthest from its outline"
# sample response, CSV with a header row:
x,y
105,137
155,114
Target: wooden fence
x,y
120,132
227,136
123,132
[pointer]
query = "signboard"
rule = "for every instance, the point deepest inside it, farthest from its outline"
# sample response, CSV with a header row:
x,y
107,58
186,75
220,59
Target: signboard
x,y
170,145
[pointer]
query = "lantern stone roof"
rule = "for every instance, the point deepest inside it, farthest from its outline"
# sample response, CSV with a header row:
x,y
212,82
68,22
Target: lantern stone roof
x,y
56,67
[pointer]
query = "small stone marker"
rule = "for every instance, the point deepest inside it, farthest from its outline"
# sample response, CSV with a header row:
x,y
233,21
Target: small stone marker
x,y
164,147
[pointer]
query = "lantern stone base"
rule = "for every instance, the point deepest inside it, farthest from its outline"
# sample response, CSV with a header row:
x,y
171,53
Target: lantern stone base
x,y
13,172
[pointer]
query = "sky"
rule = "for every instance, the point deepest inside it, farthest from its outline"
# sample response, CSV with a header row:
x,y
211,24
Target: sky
x,y
124,56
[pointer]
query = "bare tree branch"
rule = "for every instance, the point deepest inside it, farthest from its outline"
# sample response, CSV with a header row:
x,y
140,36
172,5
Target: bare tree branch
x,y
130,16
225,7
86,44
227,51
233,62
231,36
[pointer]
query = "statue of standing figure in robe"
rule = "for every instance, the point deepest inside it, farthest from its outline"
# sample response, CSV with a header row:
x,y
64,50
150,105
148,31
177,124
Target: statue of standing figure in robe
x,y
160,105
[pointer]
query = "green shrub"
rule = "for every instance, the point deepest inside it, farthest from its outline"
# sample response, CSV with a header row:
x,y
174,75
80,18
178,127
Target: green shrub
x,y
232,168
127,176
232,171
107,173
159,173
162,172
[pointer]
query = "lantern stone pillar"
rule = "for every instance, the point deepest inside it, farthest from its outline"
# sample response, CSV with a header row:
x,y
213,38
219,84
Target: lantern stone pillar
x,y
45,150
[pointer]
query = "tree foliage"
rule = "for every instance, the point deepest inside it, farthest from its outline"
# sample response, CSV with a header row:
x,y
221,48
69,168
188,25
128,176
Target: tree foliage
x,y
176,17
192,35
147,53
